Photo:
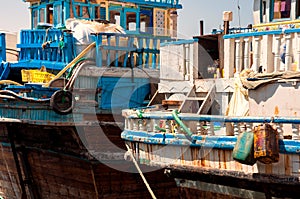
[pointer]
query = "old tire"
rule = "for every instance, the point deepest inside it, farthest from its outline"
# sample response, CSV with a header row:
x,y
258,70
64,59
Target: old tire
x,y
62,102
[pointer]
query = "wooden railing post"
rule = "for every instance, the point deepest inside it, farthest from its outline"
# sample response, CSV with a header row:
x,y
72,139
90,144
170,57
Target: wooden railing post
x,y
277,53
288,53
267,57
298,51
229,58
247,53
256,53
238,55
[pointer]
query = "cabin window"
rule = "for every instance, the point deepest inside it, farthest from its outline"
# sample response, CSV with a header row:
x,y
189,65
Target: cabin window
x,y
97,12
281,9
298,9
102,13
85,12
35,18
143,26
131,21
146,20
118,20
145,23
42,15
264,8
50,14
263,11
58,15
77,8
114,17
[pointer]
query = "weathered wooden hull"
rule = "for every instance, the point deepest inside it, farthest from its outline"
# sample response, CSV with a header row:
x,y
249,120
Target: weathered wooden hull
x,y
211,161
56,164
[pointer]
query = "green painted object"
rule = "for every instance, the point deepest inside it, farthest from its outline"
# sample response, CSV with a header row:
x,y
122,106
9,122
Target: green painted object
x,y
243,151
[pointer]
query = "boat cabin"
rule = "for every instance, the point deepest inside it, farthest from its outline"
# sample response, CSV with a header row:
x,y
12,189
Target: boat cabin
x,y
275,11
207,65
116,36
152,17
51,43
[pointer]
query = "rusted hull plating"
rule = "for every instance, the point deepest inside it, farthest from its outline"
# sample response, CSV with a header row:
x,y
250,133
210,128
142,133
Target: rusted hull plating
x,y
217,166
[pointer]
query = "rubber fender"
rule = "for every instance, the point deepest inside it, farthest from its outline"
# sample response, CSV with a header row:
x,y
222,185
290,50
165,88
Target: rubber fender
x,y
62,102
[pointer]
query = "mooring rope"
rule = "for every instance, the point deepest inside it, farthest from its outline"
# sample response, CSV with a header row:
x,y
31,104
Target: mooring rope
x,y
140,172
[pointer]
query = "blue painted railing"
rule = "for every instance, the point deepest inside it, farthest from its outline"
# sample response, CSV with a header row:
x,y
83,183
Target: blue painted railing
x,y
232,30
49,45
119,50
207,130
196,123
261,33
2,47
54,48
216,142
158,3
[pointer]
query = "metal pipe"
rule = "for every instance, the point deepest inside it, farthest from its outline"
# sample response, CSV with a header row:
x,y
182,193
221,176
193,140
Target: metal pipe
x,y
201,28
182,125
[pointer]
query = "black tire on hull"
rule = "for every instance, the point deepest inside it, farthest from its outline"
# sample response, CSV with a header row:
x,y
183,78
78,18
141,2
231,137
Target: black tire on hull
x,y
62,102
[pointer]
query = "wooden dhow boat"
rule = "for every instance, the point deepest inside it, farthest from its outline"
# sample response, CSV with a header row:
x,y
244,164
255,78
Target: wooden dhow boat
x,y
225,119
78,66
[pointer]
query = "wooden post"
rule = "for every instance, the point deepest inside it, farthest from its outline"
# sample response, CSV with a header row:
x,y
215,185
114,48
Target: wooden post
x,y
226,27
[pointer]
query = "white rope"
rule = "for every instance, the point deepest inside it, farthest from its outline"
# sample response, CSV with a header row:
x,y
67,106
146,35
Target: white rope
x,y
140,172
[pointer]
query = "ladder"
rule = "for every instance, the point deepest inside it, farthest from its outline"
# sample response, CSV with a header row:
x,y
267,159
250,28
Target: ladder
x,y
198,103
